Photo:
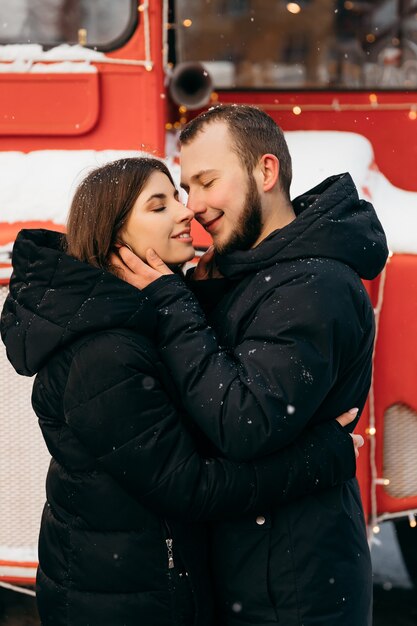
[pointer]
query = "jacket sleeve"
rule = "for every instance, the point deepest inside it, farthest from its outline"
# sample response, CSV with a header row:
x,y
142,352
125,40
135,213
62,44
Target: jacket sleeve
x,y
117,409
258,397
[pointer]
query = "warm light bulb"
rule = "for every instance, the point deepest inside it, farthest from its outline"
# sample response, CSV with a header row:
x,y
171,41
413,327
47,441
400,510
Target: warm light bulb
x,y
296,110
293,7
382,481
187,23
371,431
376,529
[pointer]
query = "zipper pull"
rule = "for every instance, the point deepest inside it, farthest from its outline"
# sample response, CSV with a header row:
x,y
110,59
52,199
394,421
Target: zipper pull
x,y
169,543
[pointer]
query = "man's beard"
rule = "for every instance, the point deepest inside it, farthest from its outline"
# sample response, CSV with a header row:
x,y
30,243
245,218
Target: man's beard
x,y
249,227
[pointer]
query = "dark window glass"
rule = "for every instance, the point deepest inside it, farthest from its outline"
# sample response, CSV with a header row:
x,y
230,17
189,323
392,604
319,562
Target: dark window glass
x,y
319,44
96,23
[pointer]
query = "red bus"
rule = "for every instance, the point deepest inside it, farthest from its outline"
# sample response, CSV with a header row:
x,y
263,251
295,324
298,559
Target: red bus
x,y
85,81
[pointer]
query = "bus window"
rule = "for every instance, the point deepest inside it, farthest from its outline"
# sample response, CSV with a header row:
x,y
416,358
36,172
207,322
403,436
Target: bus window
x,y
102,24
306,44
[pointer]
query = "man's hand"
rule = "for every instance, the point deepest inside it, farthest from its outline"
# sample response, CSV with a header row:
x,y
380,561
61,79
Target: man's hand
x,y
344,420
206,267
134,271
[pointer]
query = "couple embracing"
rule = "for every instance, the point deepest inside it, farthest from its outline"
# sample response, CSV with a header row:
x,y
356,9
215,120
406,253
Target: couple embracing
x,y
202,469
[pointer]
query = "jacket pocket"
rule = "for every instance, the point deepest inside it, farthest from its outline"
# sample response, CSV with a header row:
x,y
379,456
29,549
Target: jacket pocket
x,y
240,563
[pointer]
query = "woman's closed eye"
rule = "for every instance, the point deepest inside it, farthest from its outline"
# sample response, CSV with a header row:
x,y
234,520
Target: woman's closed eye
x,y
159,209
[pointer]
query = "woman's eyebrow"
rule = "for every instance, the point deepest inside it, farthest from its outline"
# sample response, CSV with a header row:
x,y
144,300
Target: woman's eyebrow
x,y
157,196
161,196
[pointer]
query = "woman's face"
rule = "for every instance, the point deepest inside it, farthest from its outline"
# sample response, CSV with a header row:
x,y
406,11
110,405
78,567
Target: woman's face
x,y
160,221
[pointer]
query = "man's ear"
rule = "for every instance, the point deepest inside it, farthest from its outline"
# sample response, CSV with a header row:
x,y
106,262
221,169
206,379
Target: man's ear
x,y
269,165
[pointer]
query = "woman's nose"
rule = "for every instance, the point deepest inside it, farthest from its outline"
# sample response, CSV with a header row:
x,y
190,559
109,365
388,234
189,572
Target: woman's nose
x,y
185,214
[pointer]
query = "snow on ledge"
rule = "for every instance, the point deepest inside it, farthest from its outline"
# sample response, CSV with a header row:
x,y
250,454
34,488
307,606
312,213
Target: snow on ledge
x,y
65,67
35,52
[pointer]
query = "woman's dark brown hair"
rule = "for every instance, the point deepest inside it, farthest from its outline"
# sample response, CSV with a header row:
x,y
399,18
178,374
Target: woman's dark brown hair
x,y
101,205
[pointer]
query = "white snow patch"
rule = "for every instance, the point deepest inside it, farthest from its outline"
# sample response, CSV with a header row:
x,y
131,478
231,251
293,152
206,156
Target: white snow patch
x,y
35,52
319,154
66,67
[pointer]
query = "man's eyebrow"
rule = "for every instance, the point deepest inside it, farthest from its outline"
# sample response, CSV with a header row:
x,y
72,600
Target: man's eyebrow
x,y
199,175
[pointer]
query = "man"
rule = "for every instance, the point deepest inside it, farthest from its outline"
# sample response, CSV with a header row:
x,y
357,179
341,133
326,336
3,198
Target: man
x,y
292,344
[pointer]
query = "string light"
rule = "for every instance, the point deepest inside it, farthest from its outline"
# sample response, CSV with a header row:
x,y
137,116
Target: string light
x,y
412,520
187,23
336,105
296,110
293,7
373,98
412,113
376,529
82,36
371,431
382,481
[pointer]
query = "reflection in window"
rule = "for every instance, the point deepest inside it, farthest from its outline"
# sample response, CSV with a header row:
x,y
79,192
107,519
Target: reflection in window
x,y
96,23
353,44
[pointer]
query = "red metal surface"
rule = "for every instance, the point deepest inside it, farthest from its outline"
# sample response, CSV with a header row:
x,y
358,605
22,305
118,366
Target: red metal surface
x,y
396,360
60,104
8,231
129,114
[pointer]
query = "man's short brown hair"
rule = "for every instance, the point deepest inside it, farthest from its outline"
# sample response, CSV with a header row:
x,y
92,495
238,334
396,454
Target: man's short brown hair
x,y
253,133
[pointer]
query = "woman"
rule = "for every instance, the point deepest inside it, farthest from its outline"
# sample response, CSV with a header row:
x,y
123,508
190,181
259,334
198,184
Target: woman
x,y
118,546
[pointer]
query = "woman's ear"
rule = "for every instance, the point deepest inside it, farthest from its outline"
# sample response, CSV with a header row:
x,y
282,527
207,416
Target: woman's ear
x,y
119,243
269,165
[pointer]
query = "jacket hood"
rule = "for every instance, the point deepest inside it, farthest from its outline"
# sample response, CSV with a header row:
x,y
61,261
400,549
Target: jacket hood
x,y
331,222
54,299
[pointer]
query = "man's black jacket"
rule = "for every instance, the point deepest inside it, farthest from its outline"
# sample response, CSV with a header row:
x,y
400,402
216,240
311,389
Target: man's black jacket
x,y
289,344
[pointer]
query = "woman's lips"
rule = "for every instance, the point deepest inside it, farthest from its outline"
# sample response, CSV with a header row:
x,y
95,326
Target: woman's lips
x,y
184,237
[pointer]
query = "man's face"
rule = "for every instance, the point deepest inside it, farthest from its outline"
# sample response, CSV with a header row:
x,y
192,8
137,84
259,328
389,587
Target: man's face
x,y
222,195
